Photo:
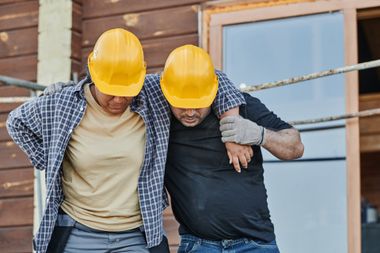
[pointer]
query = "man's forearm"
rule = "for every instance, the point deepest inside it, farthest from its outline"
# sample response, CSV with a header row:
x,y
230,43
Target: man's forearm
x,y
284,144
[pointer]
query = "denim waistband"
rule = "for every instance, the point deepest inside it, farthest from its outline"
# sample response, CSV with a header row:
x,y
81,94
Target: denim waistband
x,y
224,243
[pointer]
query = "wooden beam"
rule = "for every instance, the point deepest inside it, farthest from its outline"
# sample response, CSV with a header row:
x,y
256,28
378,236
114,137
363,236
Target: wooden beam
x,y
352,134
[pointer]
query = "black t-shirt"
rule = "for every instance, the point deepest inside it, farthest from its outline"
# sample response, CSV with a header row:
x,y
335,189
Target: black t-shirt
x,y
209,198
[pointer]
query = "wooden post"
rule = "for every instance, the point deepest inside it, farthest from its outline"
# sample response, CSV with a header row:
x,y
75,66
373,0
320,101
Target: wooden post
x,y
54,64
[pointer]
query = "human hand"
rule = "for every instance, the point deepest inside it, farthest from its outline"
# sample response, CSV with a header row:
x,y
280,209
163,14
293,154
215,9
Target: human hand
x,y
56,87
239,130
239,154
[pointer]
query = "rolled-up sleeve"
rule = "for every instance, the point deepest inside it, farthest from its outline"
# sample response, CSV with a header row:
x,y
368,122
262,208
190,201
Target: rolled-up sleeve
x,y
24,126
228,95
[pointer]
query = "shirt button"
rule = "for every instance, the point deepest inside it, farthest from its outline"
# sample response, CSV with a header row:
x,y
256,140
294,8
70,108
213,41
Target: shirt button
x,y
70,131
81,108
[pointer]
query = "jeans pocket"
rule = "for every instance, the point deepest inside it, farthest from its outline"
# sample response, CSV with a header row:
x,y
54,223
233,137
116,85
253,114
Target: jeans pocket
x,y
186,246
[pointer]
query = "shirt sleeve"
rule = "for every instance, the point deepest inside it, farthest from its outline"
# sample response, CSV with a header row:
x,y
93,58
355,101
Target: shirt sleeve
x,y
24,126
257,112
228,95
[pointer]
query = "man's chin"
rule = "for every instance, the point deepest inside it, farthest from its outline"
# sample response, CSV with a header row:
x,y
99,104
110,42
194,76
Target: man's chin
x,y
190,123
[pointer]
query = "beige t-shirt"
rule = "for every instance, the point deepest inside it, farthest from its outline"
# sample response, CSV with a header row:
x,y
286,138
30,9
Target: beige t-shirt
x,y
101,169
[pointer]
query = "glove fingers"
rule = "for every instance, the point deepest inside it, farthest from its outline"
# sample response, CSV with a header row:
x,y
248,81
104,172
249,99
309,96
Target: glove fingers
x,y
229,119
226,127
228,133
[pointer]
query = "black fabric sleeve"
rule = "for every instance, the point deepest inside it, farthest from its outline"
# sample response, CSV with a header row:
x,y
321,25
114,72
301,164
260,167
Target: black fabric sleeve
x,y
257,112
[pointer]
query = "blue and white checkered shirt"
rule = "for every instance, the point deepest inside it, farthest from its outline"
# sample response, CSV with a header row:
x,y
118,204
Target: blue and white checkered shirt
x,y
42,127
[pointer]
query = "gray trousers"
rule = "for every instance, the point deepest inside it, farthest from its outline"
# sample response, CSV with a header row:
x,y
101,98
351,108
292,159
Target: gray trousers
x,y
85,239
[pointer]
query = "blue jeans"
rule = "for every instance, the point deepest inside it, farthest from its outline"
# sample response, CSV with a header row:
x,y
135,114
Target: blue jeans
x,y
192,244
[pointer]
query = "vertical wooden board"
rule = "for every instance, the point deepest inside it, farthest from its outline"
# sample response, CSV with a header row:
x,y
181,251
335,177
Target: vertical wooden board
x,y
22,67
151,24
16,239
18,42
11,156
16,182
101,8
16,212
18,15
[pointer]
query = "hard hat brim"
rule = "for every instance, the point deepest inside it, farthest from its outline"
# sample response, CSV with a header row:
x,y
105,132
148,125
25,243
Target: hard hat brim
x,y
130,90
190,103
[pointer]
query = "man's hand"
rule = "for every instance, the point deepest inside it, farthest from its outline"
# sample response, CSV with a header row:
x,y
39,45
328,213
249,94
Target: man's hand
x,y
239,154
239,130
56,87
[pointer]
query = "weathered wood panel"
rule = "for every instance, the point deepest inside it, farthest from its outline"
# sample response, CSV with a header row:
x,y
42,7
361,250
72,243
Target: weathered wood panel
x,y
101,8
370,177
369,126
19,15
18,42
23,67
10,91
4,136
156,51
11,156
17,239
7,107
76,48
77,17
16,212
151,24
16,183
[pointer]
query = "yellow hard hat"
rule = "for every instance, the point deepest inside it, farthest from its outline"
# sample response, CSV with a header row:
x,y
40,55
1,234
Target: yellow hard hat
x,y
117,64
189,79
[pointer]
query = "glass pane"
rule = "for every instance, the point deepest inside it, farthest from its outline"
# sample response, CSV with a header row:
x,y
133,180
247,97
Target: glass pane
x,y
307,199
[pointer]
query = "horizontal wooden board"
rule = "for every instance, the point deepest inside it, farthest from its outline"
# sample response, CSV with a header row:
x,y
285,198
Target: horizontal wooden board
x,y
156,51
155,70
370,143
101,8
22,67
19,15
4,136
18,42
11,156
16,239
7,107
369,125
16,182
369,101
12,91
151,24
16,212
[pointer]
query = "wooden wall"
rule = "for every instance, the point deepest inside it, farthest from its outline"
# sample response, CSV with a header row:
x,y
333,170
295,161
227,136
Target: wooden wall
x,y
18,58
370,150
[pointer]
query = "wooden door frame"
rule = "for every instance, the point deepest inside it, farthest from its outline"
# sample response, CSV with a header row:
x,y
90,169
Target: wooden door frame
x,y
217,14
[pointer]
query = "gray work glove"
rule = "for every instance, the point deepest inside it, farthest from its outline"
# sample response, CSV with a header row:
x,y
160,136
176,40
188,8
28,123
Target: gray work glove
x,y
56,87
242,131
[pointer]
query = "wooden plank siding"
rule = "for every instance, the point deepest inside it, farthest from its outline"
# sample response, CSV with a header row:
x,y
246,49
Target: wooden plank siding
x,y
18,58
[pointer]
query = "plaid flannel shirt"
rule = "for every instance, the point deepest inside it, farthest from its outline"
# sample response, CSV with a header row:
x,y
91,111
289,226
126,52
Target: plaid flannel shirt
x,y
42,128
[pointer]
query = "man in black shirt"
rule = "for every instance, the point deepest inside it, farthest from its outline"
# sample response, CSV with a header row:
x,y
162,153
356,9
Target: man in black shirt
x,y
219,210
